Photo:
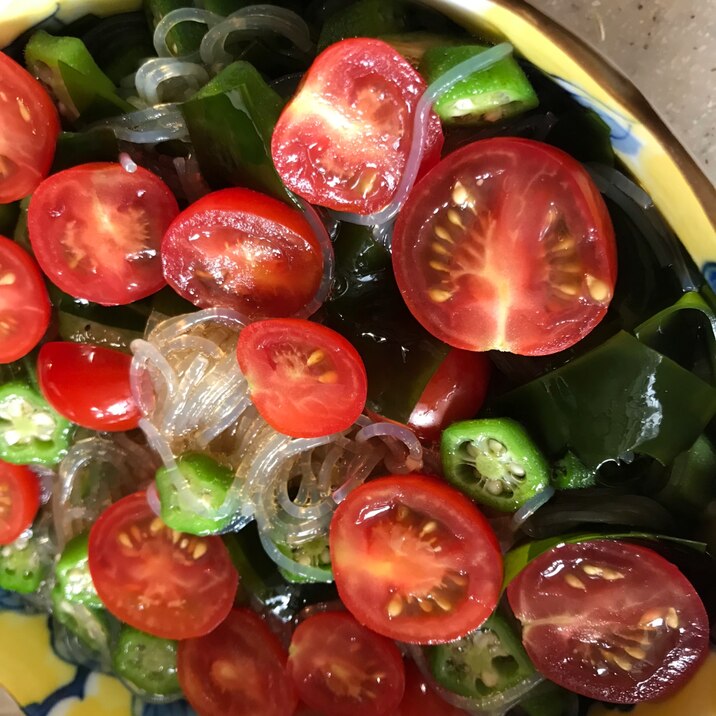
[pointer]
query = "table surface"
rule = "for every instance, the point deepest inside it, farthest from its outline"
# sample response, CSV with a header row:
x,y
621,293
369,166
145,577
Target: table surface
x,y
667,48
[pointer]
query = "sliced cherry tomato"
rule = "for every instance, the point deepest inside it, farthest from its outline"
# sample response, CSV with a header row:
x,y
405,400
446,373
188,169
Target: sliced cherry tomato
x,y
421,699
243,250
341,668
343,140
610,620
507,245
96,231
19,500
455,392
88,385
24,303
414,559
238,670
305,379
30,126
163,582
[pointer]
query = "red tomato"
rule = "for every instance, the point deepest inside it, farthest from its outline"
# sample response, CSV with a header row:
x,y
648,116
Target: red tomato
x,y
243,250
305,379
237,670
89,385
30,126
96,230
414,559
341,668
343,140
507,245
455,392
610,620
24,303
19,500
421,699
169,584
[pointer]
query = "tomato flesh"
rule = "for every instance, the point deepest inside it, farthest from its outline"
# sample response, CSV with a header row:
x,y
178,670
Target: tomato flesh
x,y
89,385
24,302
421,699
19,500
610,620
455,392
30,126
305,379
341,668
96,229
238,669
343,140
163,582
507,245
414,559
240,249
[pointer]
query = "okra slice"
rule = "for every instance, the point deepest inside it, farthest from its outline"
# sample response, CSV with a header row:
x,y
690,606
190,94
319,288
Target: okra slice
x,y
73,578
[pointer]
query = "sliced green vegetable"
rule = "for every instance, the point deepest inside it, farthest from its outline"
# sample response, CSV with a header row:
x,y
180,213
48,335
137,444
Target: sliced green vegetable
x,y
621,398
570,473
365,18
147,664
230,123
90,626
311,554
494,94
188,500
80,87
23,566
482,664
73,578
494,462
31,432
93,145
182,39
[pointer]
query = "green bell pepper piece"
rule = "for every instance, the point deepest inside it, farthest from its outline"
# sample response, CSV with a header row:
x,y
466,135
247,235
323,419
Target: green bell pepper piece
x,y
313,554
23,567
483,664
184,38
230,122
570,473
494,462
365,18
204,482
73,578
147,664
91,626
31,432
494,94
621,398
82,90
93,145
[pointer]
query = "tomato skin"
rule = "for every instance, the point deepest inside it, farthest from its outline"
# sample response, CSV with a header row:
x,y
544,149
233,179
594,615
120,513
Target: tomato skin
x,y
24,302
445,579
506,244
19,500
354,109
420,698
306,380
243,250
610,620
162,582
455,392
331,654
96,230
30,128
88,385
238,669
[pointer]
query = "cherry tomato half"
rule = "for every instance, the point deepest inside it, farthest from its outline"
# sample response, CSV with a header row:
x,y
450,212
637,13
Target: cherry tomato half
x,y
341,668
414,559
305,379
89,385
24,303
455,392
243,250
166,583
343,140
30,126
96,231
507,245
19,500
610,620
420,698
239,669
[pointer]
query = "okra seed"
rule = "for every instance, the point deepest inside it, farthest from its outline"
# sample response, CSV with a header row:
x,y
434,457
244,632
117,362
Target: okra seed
x,y
496,446
517,470
494,487
473,450
489,677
